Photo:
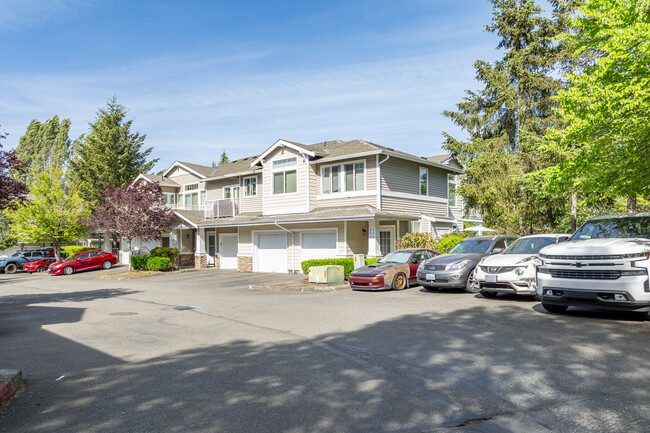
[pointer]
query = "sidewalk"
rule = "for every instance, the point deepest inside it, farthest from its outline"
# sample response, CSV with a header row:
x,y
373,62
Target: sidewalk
x,y
301,286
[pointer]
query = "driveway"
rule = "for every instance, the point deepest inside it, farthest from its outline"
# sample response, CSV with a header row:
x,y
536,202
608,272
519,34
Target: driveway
x,y
202,352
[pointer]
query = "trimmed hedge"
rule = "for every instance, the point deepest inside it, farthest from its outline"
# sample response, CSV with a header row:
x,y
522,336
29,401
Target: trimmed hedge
x,y
139,262
158,263
69,250
170,253
347,263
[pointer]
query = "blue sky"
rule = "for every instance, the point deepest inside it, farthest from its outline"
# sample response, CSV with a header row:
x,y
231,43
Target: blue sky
x,y
200,77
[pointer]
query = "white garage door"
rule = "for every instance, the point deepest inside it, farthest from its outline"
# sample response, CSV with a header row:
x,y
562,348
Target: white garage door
x,y
318,245
271,252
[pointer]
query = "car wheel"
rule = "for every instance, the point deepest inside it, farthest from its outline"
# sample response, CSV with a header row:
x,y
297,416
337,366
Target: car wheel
x,y
472,283
488,294
552,308
68,270
40,269
107,264
10,268
536,297
399,282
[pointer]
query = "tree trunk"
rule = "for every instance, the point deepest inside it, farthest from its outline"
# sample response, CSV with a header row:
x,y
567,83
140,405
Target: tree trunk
x,y
574,211
57,249
130,254
631,204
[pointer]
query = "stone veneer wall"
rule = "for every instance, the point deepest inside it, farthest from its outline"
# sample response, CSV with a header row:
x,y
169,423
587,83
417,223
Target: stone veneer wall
x,y
217,261
245,263
200,261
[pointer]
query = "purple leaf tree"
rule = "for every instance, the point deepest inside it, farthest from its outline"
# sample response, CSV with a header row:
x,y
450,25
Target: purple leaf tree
x,y
11,190
133,211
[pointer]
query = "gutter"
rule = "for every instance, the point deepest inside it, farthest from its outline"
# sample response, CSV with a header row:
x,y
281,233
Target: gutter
x,y
293,245
225,176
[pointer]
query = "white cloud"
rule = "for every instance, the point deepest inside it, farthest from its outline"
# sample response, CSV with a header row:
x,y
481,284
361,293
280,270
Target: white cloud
x,y
17,15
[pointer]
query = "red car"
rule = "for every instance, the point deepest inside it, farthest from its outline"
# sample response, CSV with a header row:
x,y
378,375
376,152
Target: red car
x,y
396,270
83,261
38,265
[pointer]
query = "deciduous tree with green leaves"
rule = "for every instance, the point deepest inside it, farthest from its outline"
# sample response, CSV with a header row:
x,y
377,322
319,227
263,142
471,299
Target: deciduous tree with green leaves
x,y
509,117
110,155
45,146
55,212
606,108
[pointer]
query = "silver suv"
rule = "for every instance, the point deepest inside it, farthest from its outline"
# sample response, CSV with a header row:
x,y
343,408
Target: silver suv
x,y
604,265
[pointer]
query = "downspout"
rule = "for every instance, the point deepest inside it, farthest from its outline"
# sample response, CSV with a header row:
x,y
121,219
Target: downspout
x,y
379,163
293,244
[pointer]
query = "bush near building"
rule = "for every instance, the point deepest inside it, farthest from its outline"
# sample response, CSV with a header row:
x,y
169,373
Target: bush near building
x,y
68,250
347,263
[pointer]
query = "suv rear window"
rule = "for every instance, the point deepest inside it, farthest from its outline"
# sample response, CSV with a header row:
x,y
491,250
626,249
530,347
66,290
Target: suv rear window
x,y
623,227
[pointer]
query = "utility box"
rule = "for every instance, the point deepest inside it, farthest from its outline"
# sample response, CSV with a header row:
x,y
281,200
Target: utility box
x,y
359,260
326,274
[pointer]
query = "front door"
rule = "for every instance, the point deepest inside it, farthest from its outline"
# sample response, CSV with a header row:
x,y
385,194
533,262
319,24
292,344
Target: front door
x,y
386,240
212,248
228,250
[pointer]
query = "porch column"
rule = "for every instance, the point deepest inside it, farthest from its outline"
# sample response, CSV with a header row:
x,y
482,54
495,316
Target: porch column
x,y
373,239
200,259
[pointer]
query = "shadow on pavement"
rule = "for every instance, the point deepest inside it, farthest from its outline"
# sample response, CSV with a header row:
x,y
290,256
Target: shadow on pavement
x,y
415,372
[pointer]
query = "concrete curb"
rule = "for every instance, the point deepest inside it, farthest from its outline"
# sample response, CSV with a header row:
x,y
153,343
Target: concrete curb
x,y
292,287
10,382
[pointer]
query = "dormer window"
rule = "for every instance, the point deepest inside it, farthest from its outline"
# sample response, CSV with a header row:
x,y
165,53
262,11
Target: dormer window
x,y
285,176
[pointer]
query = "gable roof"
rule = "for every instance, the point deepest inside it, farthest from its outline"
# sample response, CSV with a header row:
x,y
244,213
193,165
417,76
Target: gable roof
x,y
158,178
439,158
201,171
237,167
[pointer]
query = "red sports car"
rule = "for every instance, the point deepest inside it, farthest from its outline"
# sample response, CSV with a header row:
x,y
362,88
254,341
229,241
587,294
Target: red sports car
x,y
83,261
396,270
38,265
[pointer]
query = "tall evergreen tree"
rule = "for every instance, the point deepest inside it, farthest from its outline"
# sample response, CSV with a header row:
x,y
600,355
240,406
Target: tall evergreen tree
x,y
509,117
110,155
224,158
45,146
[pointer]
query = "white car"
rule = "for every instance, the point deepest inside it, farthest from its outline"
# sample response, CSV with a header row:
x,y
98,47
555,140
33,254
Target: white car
x,y
514,270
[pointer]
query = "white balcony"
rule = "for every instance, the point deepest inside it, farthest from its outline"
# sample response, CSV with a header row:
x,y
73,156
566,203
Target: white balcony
x,y
182,206
221,208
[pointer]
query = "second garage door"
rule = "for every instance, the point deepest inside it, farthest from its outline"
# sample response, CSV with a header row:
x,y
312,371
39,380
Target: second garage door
x,y
270,252
318,245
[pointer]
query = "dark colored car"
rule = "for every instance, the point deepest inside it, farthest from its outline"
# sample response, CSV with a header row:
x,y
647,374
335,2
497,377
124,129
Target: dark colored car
x,y
38,265
396,270
455,270
9,265
83,261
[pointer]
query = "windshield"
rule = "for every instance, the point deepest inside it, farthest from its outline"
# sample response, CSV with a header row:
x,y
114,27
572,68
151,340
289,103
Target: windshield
x,y
16,254
529,245
75,256
472,246
625,227
396,257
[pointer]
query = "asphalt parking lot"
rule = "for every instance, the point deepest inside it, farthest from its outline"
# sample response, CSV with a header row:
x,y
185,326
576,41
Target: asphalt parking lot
x,y
202,352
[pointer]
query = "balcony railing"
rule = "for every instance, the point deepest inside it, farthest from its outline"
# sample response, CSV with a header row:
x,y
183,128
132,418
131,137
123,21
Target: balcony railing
x,y
221,208
182,206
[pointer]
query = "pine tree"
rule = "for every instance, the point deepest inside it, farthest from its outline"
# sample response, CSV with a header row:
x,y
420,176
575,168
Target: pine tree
x,y
508,119
110,155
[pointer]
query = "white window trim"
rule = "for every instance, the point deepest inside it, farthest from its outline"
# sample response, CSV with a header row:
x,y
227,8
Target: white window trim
x,y
191,184
246,195
283,170
420,180
455,183
289,167
342,192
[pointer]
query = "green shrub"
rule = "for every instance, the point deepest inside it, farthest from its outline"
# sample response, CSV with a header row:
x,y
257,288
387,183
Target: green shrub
x,y
158,263
69,250
450,240
139,262
170,253
347,263
417,240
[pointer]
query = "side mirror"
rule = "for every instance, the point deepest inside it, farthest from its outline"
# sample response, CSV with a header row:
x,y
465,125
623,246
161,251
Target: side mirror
x,y
497,250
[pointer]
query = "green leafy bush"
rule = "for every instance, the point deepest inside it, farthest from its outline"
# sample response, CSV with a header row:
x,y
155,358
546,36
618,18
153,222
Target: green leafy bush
x,y
347,263
69,250
450,240
158,263
417,240
170,253
139,262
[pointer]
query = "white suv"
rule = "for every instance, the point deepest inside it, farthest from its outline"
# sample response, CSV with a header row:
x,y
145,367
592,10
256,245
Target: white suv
x,y
604,265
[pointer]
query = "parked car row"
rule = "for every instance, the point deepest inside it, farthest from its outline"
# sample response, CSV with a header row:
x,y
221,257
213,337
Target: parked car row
x,y
605,264
41,261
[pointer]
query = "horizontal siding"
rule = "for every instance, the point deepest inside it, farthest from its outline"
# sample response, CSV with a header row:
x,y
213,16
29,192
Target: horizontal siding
x,y
398,175
416,207
252,204
351,201
183,179
215,188
357,241
285,203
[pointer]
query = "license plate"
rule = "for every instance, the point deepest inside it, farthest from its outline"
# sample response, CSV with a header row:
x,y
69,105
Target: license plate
x,y
490,278
431,277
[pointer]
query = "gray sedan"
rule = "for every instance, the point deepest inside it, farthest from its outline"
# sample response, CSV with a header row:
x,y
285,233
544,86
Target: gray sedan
x,y
455,270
